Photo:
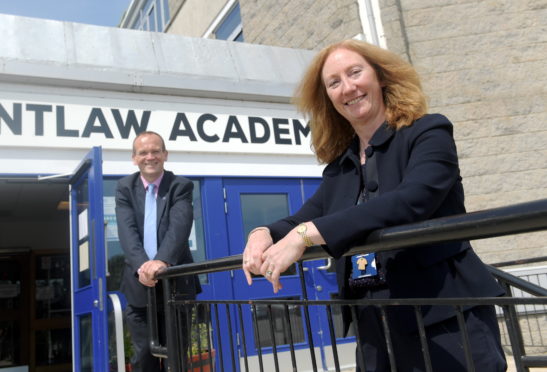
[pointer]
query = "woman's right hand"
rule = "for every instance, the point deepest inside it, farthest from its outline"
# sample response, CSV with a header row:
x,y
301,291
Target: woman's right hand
x,y
259,241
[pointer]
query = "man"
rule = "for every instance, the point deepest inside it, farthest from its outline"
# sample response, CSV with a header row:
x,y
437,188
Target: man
x,y
152,197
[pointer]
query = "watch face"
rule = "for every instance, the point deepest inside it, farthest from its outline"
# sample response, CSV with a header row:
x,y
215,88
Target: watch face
x,y
301,229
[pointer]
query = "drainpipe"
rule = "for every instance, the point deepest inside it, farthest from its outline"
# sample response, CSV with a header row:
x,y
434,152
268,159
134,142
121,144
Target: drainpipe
x,y
369,12
403,30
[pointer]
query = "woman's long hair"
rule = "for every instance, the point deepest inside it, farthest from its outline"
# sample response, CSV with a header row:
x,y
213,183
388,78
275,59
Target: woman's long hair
x,y
331,132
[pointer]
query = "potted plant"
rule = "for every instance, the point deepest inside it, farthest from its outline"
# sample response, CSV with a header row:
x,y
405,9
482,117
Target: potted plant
x,y
128,350
202,353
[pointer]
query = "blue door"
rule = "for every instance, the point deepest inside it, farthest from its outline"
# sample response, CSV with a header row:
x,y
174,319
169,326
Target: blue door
x,y
255,202
88,262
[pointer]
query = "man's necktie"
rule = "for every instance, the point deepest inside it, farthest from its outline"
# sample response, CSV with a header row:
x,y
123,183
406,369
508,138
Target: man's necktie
x,y
150,238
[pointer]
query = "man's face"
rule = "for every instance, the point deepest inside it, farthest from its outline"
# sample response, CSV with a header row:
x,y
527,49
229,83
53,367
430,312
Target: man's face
x,y
149,156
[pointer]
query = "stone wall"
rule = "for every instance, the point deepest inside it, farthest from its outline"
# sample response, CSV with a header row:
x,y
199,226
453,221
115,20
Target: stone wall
x,y
484,65
193,17
303,24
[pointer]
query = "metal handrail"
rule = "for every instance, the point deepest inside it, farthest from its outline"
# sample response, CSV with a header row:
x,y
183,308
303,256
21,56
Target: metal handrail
x,y
513,219
519,283
520,261
117,308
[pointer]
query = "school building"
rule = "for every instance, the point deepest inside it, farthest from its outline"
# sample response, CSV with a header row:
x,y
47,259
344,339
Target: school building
x,y
215,79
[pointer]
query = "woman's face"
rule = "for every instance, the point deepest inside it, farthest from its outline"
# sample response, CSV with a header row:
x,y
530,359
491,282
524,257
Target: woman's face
x,y
353,87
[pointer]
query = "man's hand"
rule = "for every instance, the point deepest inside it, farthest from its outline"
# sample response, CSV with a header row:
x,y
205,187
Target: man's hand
x,y
148,271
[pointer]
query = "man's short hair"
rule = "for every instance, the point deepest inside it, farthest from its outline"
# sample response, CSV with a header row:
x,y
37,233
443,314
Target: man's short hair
x,y
147,133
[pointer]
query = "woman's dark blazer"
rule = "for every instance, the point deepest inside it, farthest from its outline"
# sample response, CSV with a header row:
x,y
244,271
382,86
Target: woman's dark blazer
x,y
418,179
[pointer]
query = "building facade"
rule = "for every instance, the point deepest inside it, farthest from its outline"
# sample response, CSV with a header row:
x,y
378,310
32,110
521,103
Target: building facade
x,y
72,98
225,111
482,63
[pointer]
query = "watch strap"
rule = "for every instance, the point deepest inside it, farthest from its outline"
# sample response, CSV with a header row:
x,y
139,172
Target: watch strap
x,y
302,228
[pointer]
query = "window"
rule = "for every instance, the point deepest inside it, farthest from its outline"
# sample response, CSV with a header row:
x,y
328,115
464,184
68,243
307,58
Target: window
x,y
153,16
259,209
229,28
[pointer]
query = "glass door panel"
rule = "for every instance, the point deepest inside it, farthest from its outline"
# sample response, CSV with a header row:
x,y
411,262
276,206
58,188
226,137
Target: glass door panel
x,y
252,203
262,209
81,192
14,309
283,328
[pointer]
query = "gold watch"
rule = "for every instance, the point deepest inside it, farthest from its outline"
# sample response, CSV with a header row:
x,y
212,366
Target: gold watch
x,y
301,230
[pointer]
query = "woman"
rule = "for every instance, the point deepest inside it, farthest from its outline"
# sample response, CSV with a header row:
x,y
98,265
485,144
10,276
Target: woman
x,y
389,163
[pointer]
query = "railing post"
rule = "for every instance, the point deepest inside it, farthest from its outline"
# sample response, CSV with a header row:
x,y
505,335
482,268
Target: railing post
x,y
465,339
514,331
172,341
360,358
219,338
152,313
333,339
258,343
307,315
243,337
389,342
230,333
423,338
287,317
274,343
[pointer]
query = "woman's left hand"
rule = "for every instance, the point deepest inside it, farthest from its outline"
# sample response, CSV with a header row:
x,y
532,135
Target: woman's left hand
x,y
280,256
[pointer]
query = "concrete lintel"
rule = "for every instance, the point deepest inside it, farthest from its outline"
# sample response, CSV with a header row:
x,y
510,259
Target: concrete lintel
x,y
78,55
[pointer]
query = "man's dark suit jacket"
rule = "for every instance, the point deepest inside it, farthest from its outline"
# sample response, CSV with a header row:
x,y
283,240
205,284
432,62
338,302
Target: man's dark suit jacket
x,y
418,179
174,222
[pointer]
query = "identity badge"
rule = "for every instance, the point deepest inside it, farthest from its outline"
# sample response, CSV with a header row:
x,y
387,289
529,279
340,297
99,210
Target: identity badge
x,y
363,265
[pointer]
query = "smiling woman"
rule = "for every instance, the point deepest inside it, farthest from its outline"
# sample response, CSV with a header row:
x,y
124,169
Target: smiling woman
x,y
389,163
